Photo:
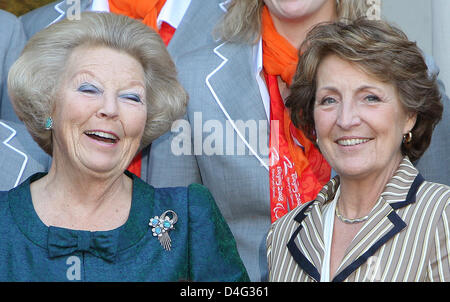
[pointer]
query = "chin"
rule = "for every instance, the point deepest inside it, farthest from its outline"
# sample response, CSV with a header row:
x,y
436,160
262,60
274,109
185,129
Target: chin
x,y
103,168
353,170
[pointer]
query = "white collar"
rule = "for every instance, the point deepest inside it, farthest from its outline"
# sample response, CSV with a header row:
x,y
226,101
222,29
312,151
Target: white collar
x,y
100,6
328,226
172,12
258,57
257,66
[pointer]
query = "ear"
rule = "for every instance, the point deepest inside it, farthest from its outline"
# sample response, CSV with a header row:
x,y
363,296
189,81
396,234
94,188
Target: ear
x,y
411,119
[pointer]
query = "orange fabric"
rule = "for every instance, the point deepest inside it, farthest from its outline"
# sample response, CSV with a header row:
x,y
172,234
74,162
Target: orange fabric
x,y
279,56
145,10
166,32
296,174
135,166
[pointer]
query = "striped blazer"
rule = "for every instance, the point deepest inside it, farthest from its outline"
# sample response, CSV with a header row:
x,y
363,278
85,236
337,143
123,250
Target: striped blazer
x,y
407,236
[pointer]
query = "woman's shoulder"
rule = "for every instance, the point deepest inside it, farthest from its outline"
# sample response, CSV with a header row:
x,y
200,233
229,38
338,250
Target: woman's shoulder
x,y
432,201
193,194
434,191
292,217
3,200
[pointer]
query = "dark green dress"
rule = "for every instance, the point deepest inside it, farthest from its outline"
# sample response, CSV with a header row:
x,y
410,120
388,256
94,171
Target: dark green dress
x,y
202,246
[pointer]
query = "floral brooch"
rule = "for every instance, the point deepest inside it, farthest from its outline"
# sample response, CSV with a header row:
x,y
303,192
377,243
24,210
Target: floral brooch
x,y
161,226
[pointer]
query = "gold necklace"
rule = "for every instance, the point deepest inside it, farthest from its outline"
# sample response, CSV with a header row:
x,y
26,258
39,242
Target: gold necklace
x,y
350,221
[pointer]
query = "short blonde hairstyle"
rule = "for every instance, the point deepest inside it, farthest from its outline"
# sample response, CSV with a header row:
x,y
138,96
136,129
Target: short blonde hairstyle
x,y
242,22
34,79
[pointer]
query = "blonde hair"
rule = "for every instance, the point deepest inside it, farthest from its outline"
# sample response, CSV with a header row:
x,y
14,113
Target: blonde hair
x,y
242,22
33,80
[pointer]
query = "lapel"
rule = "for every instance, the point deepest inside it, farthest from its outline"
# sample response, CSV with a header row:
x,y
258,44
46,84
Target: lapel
x,y
61,7
237,93
306,245
383,224
15,158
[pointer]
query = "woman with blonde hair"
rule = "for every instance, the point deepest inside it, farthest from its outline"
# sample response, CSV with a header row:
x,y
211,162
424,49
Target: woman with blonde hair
x,y
92,93
256,164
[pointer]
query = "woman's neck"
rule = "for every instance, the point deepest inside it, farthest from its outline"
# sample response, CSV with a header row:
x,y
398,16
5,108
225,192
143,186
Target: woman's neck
x,y
359,195
295,30
82,201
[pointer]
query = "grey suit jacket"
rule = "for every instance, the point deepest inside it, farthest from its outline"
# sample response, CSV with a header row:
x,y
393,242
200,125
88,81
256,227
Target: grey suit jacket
x,y
40,18
12,41
225,103
405,238
20,156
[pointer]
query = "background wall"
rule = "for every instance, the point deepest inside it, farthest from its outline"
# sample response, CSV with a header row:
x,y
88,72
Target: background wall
x,y
428,23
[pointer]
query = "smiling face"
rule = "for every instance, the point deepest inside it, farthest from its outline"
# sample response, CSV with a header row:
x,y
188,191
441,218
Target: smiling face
x,y
296,9
100,112
360,121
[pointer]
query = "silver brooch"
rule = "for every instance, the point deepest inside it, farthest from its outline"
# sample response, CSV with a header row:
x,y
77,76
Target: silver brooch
x,y
161,226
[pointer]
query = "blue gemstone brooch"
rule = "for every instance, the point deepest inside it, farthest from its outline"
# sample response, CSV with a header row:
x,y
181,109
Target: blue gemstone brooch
x,y
161,226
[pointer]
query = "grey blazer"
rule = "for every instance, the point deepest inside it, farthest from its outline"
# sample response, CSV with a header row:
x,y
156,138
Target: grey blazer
x,y
225,103
12,41
46,15
20,156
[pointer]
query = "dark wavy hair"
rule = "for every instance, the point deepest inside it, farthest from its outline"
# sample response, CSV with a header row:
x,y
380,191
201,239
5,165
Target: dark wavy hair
x,y
382,51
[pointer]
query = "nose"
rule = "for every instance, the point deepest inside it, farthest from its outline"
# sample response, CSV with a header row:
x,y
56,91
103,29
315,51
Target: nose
x,y
348,115
109,107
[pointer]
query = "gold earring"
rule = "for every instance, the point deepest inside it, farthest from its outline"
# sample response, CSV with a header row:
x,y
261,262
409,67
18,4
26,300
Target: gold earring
x,y
407,138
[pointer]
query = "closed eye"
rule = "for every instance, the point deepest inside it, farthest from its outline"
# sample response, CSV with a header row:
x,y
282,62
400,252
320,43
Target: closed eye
x,y
132,97
89,88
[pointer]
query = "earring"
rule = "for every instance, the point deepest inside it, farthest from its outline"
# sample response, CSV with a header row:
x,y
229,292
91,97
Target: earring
x,y
407,138
49,123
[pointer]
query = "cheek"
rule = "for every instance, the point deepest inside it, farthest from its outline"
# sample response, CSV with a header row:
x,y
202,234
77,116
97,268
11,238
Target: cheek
x,y
70,108
135,122
324,121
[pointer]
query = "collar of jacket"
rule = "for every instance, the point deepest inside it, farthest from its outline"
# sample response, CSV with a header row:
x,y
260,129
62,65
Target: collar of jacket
x,y
306,244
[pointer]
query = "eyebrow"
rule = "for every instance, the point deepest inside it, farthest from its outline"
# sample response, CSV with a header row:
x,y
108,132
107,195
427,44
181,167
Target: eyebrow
x,y
335,90
88,72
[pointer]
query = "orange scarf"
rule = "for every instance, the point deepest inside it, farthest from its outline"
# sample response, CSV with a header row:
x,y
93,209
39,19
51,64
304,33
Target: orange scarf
x,y
279,56
145,10
296,174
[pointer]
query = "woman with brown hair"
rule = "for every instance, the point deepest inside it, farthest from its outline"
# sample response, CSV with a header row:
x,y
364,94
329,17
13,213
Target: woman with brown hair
x,y
362,92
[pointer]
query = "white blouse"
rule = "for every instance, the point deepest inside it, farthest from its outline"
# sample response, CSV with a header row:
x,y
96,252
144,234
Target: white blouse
x,y
328,225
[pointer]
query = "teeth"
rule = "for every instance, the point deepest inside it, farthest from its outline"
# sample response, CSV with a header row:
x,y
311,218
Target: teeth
x,y
352,142
102,134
